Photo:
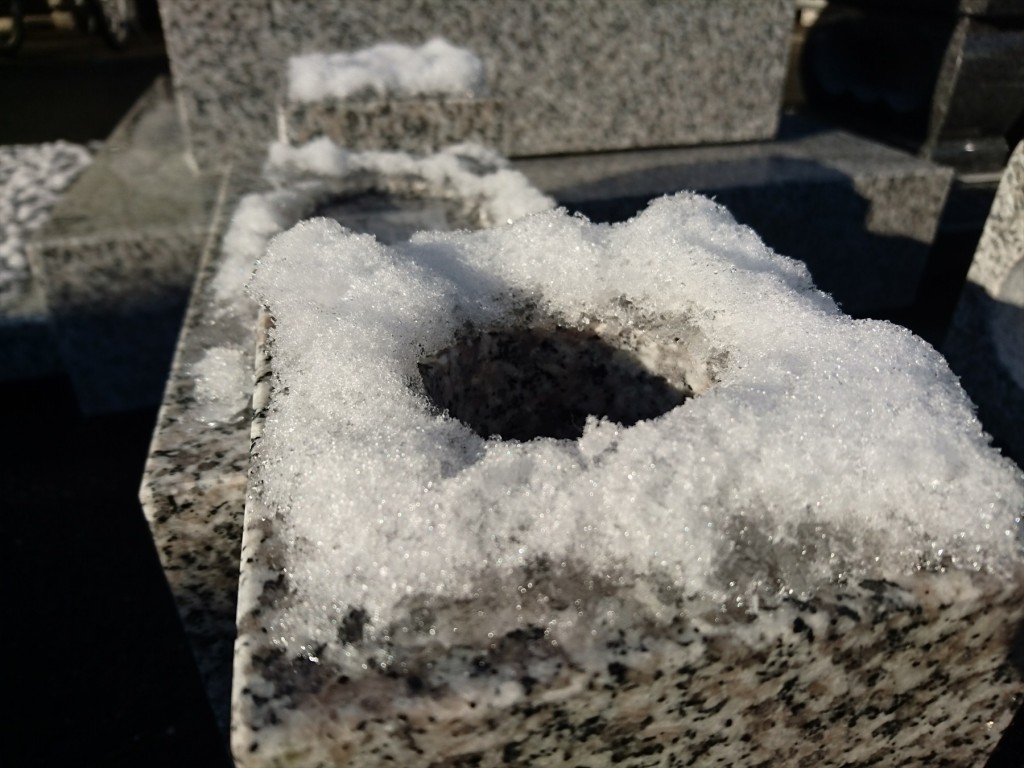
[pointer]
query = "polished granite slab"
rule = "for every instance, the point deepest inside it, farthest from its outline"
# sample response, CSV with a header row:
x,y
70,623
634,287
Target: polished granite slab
x,y
568,76
922,667
195,473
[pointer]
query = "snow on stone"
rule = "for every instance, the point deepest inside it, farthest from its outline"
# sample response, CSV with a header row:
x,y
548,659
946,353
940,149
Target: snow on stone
x,y
819,447
32,177
223,382
387,70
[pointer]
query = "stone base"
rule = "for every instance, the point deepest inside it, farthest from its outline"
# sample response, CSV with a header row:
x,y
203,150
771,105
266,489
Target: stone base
x,y
117,259
862,216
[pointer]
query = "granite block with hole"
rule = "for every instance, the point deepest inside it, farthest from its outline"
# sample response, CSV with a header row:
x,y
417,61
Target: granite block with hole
x,y
985,344
585,667
568,76
876,208
118,256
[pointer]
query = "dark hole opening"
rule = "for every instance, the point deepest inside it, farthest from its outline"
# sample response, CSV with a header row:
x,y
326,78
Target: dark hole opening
x,y
523,383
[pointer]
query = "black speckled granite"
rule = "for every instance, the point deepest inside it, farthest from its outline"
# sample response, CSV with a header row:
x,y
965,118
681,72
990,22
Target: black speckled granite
x,y
572,76
990,316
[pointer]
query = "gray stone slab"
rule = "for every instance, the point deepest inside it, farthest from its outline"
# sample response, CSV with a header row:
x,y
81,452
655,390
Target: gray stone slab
x,y
118,256
861,215
984,344
570,76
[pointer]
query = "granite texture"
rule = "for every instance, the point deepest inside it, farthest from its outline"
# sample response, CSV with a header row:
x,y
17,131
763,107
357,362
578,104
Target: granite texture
x,y
193,488
32,178
925,669
570,76
984,344
878,208
949,87
118,256
869,674
408,124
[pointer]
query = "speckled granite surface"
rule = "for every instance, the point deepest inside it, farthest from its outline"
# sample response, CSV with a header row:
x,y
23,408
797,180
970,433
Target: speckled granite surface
x,y
118,256
32,178
571,76
877,207
869,674
926,669
408,124
193,489
984,345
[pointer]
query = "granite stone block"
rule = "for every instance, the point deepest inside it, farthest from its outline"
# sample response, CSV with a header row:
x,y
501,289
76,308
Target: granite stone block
x,y
570,76
985,344
876,208
923,668
118,257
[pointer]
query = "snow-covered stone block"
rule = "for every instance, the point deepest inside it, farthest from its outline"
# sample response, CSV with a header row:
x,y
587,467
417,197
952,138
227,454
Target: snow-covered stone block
x,y
777,535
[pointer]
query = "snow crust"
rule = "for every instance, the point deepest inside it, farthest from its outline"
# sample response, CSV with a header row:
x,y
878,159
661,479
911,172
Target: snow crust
x,y
32,176
821,448
386,70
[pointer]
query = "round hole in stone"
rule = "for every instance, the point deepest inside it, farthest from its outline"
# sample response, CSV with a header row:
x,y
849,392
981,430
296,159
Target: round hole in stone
x,y
522,383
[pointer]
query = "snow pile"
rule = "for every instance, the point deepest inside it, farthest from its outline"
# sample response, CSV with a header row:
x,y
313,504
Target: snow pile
x,y
818,447
387,70
31,179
